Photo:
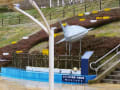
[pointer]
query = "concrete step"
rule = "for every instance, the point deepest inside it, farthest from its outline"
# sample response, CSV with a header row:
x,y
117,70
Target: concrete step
x,y
115,73
113,77
113,81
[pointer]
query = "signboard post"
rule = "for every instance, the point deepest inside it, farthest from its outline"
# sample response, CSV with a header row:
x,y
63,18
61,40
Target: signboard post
x,y
85,62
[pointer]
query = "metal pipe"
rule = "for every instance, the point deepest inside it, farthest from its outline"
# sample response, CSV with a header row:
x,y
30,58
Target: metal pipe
x,y
103,57
80,49
66,47
51,60
69,48
40,12
108,60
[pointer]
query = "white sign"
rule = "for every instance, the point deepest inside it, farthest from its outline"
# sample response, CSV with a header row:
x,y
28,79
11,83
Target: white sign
x,y
25,38
5,54
87,13
93,21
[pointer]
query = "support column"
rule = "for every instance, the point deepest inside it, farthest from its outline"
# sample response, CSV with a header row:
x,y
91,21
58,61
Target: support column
x,y
50,3
58,3
51,60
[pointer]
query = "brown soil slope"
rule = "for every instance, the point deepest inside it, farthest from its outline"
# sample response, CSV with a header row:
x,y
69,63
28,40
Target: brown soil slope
x,y
34,39
100,46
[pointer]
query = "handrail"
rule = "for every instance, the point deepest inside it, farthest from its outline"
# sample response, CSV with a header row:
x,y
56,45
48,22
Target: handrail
x,y
100,59
107,60
106,72
96,69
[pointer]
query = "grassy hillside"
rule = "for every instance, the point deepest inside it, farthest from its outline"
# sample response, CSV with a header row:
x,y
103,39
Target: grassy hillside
x,y
16,32
110,30
53,13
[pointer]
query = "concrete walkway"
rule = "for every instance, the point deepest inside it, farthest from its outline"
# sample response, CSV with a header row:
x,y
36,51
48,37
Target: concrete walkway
x,y
17,84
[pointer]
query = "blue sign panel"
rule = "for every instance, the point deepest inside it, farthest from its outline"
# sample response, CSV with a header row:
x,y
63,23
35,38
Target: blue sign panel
x,y
72,78
85,62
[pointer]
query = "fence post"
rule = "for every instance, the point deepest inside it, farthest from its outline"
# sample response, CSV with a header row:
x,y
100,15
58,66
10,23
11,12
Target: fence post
x,y
73,11
85,6
28,60
50,16
119,3
63,13
19,19
2,21
100,4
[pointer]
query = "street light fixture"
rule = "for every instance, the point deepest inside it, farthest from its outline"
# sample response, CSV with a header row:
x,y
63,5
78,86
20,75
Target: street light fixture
x,y
49,31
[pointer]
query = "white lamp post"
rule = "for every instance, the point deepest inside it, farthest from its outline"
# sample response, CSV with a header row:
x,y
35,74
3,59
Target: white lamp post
x,y
50,32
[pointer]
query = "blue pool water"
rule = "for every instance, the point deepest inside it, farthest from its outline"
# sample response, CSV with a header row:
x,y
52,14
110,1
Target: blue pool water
x,y
42,76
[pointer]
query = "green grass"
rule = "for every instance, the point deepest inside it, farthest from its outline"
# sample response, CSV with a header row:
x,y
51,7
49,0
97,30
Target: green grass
x,y
110,30
9,34
39,47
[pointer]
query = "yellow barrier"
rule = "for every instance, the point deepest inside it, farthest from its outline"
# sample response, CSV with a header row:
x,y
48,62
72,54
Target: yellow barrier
x,y
19,52
107,9
45,52
57,34
14,42
94,12
80,14
106,17
82,19
98,18
64,24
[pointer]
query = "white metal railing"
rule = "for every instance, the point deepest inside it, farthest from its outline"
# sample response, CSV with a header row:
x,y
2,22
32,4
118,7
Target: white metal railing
x,y
103,57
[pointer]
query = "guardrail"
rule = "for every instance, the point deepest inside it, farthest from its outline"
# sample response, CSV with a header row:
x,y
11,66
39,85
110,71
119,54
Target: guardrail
x,y
106,62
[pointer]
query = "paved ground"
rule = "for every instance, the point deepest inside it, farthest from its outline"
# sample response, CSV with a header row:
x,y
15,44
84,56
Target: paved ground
x,y
16,84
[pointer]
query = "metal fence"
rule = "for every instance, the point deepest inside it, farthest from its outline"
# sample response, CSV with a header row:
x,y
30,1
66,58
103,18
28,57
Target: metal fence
x,y
39,60
66,12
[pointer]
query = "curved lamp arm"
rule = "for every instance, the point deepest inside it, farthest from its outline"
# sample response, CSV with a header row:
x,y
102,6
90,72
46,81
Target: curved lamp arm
x,y
16,7
51,39
40,12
